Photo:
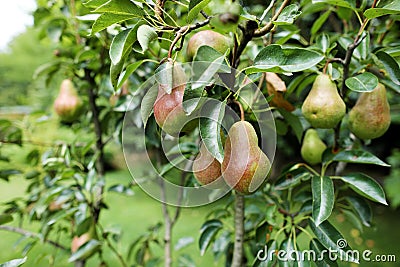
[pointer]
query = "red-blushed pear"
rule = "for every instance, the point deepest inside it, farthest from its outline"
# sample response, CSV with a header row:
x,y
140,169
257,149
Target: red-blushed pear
x,y
245,166
206,168
168,107
323,107
68,105
370,117
219,42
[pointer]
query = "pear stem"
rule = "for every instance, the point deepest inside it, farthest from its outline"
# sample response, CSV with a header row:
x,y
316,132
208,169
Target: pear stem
x,y
239,231
241,109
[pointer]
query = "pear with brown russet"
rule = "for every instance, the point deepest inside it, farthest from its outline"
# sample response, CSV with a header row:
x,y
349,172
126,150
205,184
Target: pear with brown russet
x,y
206,168
323,107
370,117
245,166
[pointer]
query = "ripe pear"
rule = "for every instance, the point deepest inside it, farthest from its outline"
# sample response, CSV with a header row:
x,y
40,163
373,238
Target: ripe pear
x,y
312,147
68,105
206,168
211,38
168,108
245,166
370,117
323,107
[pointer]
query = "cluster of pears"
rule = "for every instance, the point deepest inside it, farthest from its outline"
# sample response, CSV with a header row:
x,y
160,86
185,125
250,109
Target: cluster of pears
x,y
168,107
244,167
324,108
68,105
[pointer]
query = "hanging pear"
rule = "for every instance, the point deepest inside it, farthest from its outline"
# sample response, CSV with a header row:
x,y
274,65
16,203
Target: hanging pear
x,y
219,42
312,147
68,105
323,107
370,117
206,168
168,108
245,166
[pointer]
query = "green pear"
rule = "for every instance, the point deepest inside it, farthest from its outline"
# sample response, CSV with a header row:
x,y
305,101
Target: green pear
x,y
206,168
312,147
168,107
68,105
370,117
323,107
245,166
207,37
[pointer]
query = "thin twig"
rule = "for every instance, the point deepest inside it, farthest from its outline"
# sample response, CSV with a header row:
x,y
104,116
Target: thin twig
x,y
267,28
32,235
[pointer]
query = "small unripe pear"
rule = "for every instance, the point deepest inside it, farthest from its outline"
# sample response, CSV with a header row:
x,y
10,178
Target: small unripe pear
x,y
68,105
312,147
245,166
323,107
370,117
211,38
206,168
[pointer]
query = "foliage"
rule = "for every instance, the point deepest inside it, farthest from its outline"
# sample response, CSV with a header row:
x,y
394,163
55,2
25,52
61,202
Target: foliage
x,y
105,45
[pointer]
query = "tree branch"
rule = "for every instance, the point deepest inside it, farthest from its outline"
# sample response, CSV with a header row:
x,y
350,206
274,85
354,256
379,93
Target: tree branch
x,y
32,235
267,28
239,231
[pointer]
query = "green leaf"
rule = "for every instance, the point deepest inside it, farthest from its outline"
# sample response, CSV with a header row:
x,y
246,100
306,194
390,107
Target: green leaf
x,y
115,71
352,218
207,234
148,103
84,226
353,156
294,122
195,6
210,128
292,178
145,34
342,3
288,15
121,43
120,7
362,208
86,250
5,174
183,242
275,58
389,9
131,68
323,198
391,66
320,21
365,82
107,19
365,186
331,239
5,218
94,3
14,263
